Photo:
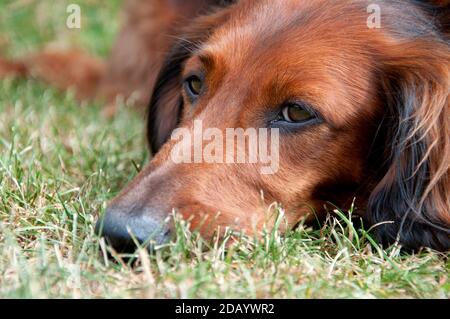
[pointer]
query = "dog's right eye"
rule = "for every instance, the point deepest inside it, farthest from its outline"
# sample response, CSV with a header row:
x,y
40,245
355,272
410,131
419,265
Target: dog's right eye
x,y
194,86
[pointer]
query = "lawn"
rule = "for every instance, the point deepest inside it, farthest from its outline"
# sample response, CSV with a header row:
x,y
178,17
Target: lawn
x,y
60,163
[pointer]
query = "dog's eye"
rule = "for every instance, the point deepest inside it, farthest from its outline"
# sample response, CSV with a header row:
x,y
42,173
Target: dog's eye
x,y
194,85
294,113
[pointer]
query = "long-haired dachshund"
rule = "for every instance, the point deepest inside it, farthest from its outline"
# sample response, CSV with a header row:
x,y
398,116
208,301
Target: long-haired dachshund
x,y
363,112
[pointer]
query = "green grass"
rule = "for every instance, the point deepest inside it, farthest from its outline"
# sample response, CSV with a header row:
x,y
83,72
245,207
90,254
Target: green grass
x,y
60,162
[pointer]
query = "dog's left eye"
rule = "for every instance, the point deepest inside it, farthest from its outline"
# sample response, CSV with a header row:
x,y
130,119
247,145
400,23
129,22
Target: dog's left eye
x,y
295,113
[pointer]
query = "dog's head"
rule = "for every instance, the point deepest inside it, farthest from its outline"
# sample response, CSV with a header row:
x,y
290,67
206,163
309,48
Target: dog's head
x,y
353,101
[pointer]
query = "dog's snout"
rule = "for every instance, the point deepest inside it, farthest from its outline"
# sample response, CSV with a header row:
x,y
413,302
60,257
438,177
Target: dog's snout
x,y
124,228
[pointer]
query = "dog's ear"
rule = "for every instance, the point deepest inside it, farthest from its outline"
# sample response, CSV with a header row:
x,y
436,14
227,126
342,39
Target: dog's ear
x,y
411,203
166,104
440,11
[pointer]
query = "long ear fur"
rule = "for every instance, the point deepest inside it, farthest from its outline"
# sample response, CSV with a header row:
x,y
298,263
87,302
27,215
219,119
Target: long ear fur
x,y
411,203
166,104
440,10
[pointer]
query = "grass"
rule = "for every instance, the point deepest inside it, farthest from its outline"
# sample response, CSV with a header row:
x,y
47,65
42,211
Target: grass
x,y
60,162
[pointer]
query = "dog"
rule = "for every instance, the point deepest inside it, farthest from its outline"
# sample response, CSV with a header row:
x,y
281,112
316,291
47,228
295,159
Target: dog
x,y
362,112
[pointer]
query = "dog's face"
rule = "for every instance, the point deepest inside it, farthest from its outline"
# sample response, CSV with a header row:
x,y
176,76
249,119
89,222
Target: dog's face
x,y
312,73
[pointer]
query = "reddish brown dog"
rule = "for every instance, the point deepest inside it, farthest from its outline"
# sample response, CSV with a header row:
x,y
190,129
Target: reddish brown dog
x,y
362,111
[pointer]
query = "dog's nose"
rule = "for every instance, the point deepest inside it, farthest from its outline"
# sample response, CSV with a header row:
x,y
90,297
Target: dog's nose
x,y
123,228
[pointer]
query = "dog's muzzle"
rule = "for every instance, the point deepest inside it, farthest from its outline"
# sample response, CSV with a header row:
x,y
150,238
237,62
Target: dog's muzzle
x,y
125,228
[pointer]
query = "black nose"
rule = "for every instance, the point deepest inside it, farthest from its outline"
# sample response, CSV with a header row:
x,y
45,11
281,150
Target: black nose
x,y
123,228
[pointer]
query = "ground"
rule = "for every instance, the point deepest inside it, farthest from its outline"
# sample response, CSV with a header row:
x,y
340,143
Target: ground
x,y
60,163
